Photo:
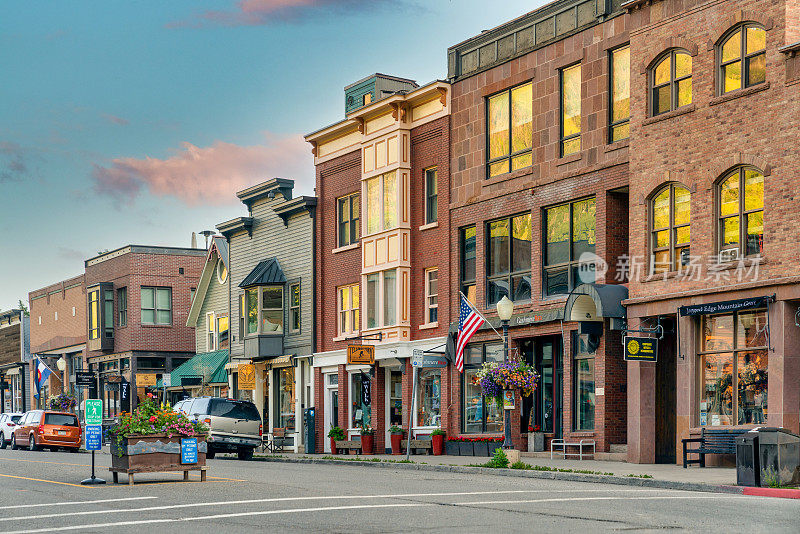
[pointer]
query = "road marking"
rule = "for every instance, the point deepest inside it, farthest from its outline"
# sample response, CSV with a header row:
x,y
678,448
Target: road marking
x,y
42,462
221,516
72,503
319,498
568,499
230,479
42,480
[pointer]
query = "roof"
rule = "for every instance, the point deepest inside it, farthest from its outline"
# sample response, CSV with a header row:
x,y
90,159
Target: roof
x,y
217,251
268,272
209,365
144,249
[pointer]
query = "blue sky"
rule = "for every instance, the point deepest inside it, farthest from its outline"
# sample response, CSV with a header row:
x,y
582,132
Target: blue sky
x,y
136,122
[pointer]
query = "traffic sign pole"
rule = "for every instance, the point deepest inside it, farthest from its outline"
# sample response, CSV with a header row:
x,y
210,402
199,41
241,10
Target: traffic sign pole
x,y
411,413
93,435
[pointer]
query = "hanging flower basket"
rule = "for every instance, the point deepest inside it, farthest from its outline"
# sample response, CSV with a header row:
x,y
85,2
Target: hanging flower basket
x,y
495,377
63,402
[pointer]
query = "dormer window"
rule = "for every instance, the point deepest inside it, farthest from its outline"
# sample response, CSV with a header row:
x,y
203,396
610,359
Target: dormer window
x,y
367,98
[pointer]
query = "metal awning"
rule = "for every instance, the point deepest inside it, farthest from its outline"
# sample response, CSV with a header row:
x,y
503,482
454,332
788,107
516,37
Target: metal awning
x,y
593,302
267,272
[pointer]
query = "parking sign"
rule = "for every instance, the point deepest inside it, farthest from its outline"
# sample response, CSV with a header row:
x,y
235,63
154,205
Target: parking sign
x,y
94,412
94,437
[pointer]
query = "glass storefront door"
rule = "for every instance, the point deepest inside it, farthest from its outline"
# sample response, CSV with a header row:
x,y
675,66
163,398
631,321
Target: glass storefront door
x,y
284,399
395,398
547,406
360,400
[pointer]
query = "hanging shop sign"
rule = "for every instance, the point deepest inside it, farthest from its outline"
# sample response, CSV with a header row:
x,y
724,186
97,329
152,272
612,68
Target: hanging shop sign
x,y
145,380
424,359
247,376
725,306
84,379
640,349
360,355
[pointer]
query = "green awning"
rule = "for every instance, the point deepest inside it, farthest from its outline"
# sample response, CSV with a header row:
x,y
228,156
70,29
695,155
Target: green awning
x,y
210,366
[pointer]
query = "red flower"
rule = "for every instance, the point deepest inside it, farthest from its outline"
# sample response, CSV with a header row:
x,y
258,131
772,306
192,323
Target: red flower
x,y
153,418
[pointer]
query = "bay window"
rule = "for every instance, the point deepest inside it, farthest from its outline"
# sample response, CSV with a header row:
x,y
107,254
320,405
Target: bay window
x,y
481,414
94,314
264,309
382,202
381,298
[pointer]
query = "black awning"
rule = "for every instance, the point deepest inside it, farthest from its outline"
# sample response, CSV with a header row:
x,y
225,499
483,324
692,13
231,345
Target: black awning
x,y
268,272
725,306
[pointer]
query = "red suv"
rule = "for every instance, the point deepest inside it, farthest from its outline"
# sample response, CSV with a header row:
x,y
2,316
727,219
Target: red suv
x,y
42,428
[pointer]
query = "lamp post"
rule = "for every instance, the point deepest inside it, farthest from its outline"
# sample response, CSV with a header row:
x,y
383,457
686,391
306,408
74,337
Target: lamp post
x,y
61,363
505,308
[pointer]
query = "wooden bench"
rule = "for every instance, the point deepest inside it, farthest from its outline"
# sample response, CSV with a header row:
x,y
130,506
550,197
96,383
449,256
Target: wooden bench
x,y
712,441
348,446
417,444
130,472
564,444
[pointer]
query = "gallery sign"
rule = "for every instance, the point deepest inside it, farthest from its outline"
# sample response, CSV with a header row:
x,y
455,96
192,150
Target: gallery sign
x,y
360,355
247,376
640,349
725,306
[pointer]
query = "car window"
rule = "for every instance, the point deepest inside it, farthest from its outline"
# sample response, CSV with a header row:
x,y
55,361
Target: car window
x,y
60,419
179,405
15,418
35,418
200,406
25,418
234,409
2,418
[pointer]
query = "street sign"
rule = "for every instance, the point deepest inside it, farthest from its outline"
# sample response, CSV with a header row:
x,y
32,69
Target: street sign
x,y
360,354
94,412
145,379
247,376
94,437
84,379
167,380
640,349
421,359
189,450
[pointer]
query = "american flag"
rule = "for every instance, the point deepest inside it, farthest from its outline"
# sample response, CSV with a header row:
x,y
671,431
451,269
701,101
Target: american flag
x,y
469,321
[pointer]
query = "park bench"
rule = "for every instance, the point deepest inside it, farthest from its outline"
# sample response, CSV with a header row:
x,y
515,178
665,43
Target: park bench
x,y
564,444
348,445
418,444
712,441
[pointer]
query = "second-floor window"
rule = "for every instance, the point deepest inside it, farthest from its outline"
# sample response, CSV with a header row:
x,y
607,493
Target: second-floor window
x,y
431,195
671,82
741,214
508,259
381,202
349,217
510,125
381,299
620,94
670,229
122,304
432,295
569,232
571,110
348,304
743,58
264,307
94,314
211,332
156,305
467,256
294,308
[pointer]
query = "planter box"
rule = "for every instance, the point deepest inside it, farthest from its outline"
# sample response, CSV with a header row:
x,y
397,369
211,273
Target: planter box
x,y
494,446
451,448
481,448
535,441
153,453
465,448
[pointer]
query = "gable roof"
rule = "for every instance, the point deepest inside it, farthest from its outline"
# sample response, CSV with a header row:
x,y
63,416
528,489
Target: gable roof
x,y
209,365
267,272
217,251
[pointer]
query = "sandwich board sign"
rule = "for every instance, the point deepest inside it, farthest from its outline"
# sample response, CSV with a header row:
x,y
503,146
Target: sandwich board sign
x,y
94,412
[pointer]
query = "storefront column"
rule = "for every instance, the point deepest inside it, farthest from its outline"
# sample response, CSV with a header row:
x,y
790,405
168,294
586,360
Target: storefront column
x,y
687,396
378,408
320,409
641,409
258,395
344,397
783,379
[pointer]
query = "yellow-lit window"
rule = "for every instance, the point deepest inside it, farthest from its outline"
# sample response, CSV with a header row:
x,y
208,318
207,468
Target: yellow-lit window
x,y
94,314
620,94
741,213
510,130
382,202
671,212
571,110
671,82
348,304
742,58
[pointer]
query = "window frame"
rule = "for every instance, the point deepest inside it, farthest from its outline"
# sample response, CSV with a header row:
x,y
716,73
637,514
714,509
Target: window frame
x,y
262,309
672,82
211,332
511,154
508,276
94,314
220,278
743,58
562,138
429,307
156,309
464,282
612,124
242,316
576,357
742,214
354,223
354,312
122,307
485,402
380,300
572,262
381,180
431,200
671,228
294,328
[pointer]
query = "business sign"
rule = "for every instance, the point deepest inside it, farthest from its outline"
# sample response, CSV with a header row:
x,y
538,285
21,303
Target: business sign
x,y
93,437
422,359
94,412
247,376
508,399
85,379
145,379
640,349
114,379
167,380
360,354
188,450
724,306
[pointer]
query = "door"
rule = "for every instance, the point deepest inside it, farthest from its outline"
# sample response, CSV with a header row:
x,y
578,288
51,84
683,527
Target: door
x,y
331,408
666,374
549,411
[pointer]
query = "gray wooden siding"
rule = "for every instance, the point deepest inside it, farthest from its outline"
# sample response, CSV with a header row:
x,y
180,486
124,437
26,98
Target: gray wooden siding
x,y
216,300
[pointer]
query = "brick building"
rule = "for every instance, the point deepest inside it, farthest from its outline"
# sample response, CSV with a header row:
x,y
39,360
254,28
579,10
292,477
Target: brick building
x,y
539,207
137,305
381,238
713,195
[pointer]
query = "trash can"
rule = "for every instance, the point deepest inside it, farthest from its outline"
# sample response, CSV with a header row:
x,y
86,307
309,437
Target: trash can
x,y
778,456
748,471
310,428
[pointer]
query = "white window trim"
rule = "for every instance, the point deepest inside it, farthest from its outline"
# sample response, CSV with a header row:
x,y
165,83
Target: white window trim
x,y
259,292
425,195
221,279
212,338
356,328
355,243
380,299
427,307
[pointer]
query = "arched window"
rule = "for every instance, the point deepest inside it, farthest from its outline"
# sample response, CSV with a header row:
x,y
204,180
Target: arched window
x,y
671,82
671,211
742,58
741,213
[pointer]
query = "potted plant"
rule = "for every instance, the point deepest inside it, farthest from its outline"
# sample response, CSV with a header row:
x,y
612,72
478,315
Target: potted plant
x,y
493,445
466,447
64,402
535,439
481,446
397,437
336,434
437,439
451,447
367,439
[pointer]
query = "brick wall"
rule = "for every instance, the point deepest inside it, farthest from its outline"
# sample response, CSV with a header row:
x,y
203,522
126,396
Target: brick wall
x,y
58,298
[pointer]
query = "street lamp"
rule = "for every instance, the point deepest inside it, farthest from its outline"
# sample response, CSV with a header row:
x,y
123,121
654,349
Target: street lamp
x,y
505,308
62,366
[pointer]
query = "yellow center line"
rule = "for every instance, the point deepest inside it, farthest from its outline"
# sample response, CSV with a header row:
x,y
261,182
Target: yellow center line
x,y
42,480
43,462
231,479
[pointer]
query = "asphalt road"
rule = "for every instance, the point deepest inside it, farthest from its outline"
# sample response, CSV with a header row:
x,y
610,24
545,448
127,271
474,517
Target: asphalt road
x,y
40,492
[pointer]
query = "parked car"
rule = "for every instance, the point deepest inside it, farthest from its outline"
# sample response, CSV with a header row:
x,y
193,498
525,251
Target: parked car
x,y
39,429
234,425
8,421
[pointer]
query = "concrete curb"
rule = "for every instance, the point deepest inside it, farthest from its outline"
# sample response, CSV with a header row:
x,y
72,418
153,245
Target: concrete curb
x,y
547,475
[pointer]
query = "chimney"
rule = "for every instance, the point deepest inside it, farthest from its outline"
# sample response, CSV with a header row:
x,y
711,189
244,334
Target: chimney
x,y
194,239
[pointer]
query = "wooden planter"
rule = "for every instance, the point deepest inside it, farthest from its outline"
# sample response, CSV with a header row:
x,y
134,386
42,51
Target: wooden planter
x,y
153,453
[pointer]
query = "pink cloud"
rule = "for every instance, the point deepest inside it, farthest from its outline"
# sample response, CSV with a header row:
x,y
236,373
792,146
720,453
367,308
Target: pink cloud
x,y
209,175
261,12
116,120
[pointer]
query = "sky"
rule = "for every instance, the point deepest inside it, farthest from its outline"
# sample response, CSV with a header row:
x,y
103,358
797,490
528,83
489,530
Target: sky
x,y
136,122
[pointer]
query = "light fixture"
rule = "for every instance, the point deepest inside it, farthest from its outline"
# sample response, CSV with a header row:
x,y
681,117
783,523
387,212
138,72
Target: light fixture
x,y
505,308
61,364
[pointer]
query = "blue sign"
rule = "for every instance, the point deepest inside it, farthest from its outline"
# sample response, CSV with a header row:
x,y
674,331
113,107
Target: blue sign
x,y
94,437
189,450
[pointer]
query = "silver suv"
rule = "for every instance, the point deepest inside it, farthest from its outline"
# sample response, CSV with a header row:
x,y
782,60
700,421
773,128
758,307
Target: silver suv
x,y
234,425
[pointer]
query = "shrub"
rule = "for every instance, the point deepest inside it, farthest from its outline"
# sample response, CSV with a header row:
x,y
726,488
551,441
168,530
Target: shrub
x,y
336,433
499,460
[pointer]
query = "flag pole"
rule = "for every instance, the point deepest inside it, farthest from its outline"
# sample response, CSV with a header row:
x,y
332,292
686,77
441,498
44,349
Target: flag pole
x,y
485,320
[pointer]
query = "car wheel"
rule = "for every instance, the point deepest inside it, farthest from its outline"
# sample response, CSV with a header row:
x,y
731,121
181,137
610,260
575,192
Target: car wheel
x,y
14,442
210,455
32,443
245,453
2,440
